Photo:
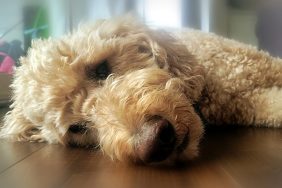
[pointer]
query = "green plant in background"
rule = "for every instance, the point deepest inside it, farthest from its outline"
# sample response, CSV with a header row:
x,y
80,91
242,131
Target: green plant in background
x,y
40,27
36,24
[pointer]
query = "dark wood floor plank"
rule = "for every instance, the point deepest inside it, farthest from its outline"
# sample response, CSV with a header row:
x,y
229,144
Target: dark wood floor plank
x,y
98,171
14,152
122,176
235,158
49,167
253,156
53,165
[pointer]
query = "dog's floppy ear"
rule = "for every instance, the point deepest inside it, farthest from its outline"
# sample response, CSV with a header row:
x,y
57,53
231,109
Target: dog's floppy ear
x,y
171,54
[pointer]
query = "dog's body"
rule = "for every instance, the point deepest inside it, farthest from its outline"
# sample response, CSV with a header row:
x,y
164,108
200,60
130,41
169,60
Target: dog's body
x,y
243,85
133,91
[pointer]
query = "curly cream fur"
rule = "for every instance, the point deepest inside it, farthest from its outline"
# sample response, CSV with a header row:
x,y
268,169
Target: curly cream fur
x,y
153,73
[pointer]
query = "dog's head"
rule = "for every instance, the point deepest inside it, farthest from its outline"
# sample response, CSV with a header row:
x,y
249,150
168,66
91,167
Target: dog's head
x,y
117,84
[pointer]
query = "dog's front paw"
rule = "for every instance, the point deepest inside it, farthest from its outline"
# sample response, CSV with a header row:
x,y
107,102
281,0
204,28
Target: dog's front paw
x,y
37,138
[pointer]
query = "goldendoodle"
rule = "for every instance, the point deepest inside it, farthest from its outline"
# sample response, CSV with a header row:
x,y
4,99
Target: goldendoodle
x,y
140,94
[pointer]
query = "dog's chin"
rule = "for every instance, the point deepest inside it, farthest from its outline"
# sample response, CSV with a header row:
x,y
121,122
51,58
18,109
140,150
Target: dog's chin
x,y
184,157
183,144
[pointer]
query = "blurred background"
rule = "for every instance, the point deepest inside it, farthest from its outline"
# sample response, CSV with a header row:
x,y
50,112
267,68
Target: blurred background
x,y
255,22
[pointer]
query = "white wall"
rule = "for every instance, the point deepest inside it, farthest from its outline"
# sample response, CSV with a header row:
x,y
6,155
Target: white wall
x,y
58,17
241,26
11,14
219,17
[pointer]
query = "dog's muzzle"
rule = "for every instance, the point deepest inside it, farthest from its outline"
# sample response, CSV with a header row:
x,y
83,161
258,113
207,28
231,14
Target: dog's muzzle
x,y
141,116
156,141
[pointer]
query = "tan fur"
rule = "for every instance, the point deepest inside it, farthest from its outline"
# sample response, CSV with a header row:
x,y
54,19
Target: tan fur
x,y
153,73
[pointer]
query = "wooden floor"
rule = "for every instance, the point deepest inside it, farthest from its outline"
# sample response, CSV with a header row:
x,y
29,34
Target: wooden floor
x,y
239,157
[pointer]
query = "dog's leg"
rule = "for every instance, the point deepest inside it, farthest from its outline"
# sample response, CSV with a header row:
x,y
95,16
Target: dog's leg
x,y
262,107
18,128
256,100
268,108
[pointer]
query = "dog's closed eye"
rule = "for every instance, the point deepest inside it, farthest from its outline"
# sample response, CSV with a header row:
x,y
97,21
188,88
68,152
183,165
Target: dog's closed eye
x,y
78,128
144,49
98,72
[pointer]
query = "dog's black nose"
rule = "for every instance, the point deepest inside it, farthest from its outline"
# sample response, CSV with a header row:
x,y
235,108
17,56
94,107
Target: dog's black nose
x,y
156,141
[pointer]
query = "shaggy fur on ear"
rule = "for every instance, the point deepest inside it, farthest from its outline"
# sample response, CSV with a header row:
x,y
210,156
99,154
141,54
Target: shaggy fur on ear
x,y
39,95
60,86
180,62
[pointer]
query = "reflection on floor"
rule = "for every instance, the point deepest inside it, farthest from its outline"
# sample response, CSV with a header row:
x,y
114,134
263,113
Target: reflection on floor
x,y
239,157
